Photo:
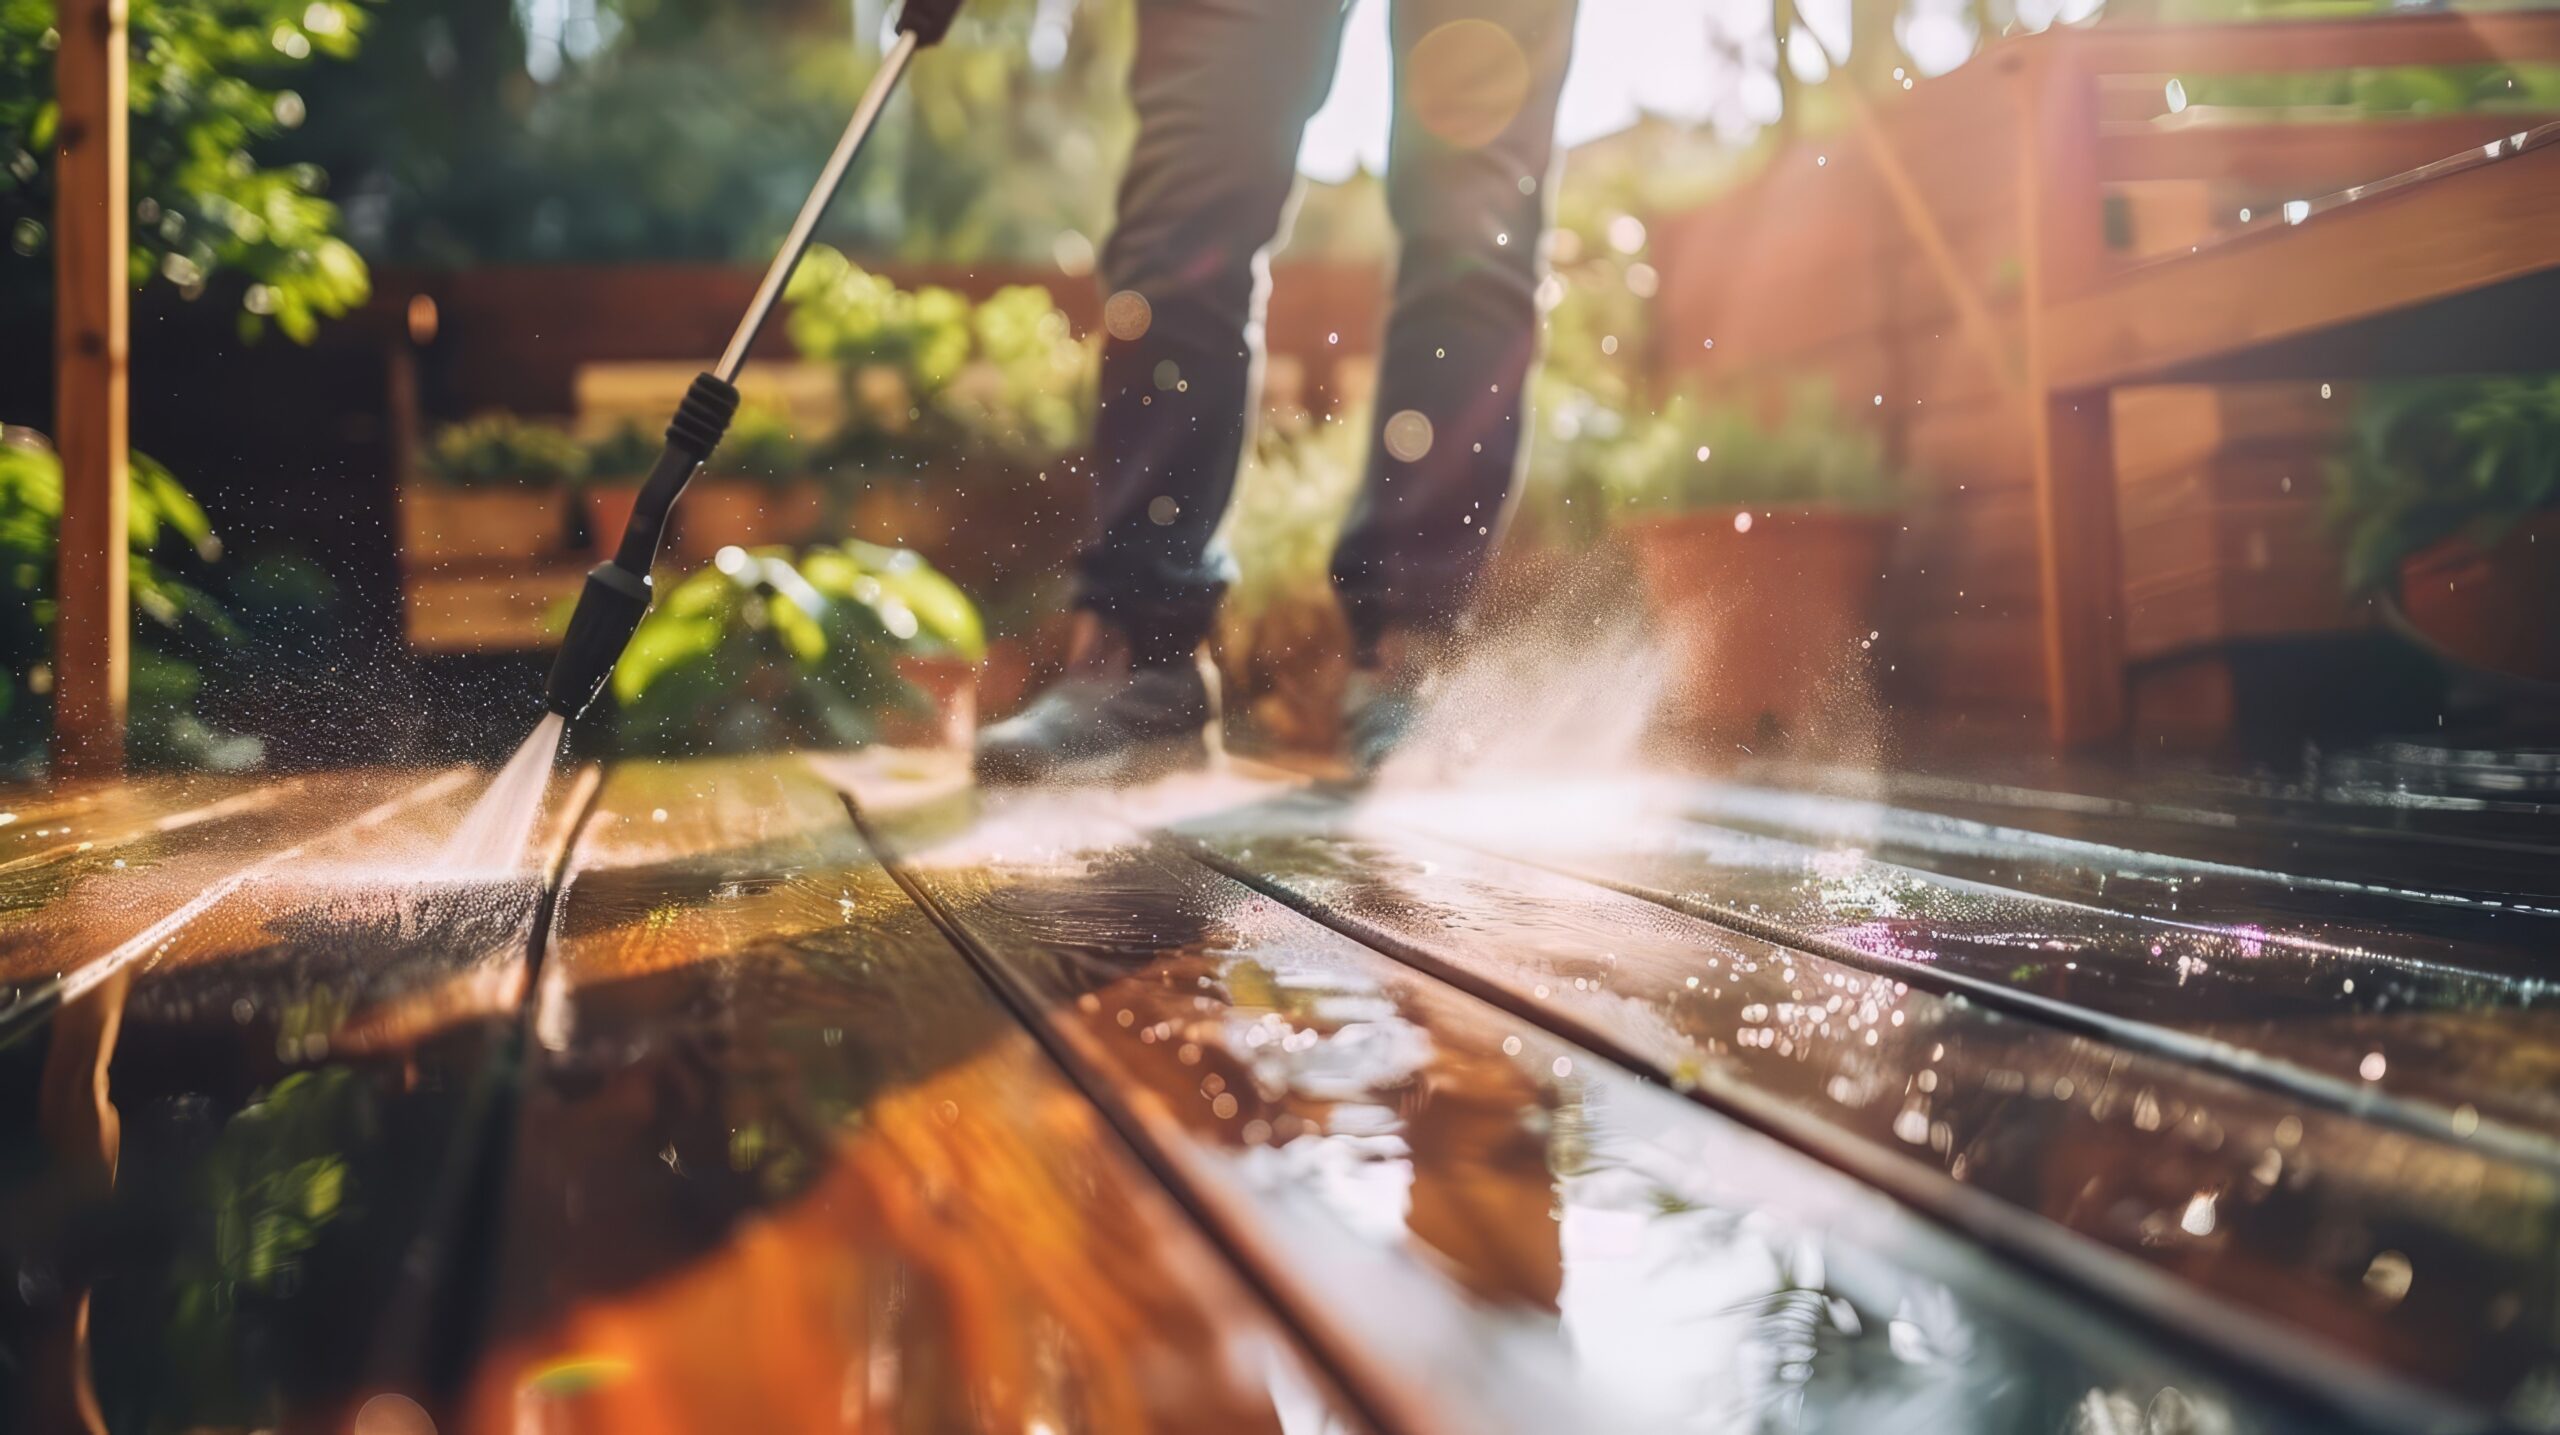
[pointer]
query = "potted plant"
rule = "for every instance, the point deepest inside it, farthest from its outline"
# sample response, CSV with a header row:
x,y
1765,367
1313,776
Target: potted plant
x,y
616,463
1283,649
832,646
756,490
2448,490
1760,547
495,488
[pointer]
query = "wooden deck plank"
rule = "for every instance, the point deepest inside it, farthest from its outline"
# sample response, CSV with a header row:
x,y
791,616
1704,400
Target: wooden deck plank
x,y
64,911
1501,1228
784,1163
2144,984
270,1100
2480,847
2383,909
2164,1163
79,809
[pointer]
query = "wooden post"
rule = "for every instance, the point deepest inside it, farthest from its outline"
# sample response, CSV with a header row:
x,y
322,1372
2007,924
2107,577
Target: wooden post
x,y
91,297
2063,242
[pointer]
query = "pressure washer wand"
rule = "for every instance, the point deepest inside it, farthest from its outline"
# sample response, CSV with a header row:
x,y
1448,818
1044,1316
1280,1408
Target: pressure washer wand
x,y
617,592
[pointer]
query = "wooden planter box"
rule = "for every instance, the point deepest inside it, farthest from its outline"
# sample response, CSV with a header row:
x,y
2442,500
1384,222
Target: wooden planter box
x,y
443,524
718,513
1767,621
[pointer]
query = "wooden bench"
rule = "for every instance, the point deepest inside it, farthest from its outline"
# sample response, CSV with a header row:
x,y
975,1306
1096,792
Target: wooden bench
x,y
1993,257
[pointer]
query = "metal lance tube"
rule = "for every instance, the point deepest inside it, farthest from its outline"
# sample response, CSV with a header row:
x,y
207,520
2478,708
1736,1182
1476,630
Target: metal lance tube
x,y
617,592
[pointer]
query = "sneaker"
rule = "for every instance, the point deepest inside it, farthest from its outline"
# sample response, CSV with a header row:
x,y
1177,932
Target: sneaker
x,y
1106,720
1383,700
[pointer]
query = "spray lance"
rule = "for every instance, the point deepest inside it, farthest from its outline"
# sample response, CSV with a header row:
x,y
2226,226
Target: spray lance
x,y
617,592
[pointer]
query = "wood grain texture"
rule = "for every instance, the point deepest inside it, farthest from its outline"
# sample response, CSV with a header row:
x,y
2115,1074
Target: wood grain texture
x,y
784,1163
296,1069
92,354
1281,1069
1744,1024
2489,224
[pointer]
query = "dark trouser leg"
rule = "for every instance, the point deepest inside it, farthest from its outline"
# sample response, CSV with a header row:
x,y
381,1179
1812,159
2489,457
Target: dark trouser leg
x,y
1468,173
1223,90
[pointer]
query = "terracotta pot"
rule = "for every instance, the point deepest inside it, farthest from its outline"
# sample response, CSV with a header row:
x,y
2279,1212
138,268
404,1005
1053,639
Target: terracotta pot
x,y
439,524
2492,608
951,685
1766,612
608,513
1004,679
725,512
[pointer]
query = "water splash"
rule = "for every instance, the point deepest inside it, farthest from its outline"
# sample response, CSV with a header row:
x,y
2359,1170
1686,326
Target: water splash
x,y
1563,692
494,835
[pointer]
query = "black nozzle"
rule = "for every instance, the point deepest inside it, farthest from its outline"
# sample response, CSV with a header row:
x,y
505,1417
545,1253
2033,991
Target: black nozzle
x,y
928,20
609,611
617,593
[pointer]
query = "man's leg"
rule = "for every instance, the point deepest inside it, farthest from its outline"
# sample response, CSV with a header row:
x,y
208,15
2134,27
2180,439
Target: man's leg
x,y
1223,90
1469,168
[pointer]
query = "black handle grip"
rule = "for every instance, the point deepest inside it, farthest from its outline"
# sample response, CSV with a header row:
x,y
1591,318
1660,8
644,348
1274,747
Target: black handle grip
x,y
928,20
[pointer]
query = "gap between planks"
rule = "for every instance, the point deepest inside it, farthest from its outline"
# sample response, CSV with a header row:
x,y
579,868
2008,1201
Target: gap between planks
x,y
1370,1386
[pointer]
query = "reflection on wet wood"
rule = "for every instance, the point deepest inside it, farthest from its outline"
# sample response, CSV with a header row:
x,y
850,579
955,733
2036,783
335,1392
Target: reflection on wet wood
x,y
298,1049
2358,834
40,823
1491,1228
783,1163
2140,983
2262,1200
2386,915
71,915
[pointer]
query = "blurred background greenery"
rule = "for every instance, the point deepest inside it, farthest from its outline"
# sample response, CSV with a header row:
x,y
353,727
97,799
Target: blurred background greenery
x,y
287,151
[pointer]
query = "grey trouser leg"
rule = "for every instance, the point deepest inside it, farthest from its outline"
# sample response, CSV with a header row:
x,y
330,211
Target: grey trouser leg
x,y
1223,90
1468,171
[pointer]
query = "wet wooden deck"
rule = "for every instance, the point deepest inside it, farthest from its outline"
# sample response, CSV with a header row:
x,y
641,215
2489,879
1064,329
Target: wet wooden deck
x,y
822,1093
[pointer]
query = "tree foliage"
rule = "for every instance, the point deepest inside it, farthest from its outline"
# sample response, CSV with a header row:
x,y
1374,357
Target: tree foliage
x,y
208,96
680,129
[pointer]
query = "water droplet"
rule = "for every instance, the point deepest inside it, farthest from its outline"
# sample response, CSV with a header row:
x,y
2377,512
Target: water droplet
x,y
1407,435
2387,1279
1127,315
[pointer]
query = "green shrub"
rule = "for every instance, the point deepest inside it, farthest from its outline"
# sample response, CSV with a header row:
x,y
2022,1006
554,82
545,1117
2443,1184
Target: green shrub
x,y
176,622
2432,459
770,650
761,446
500,450
622,456
932,379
